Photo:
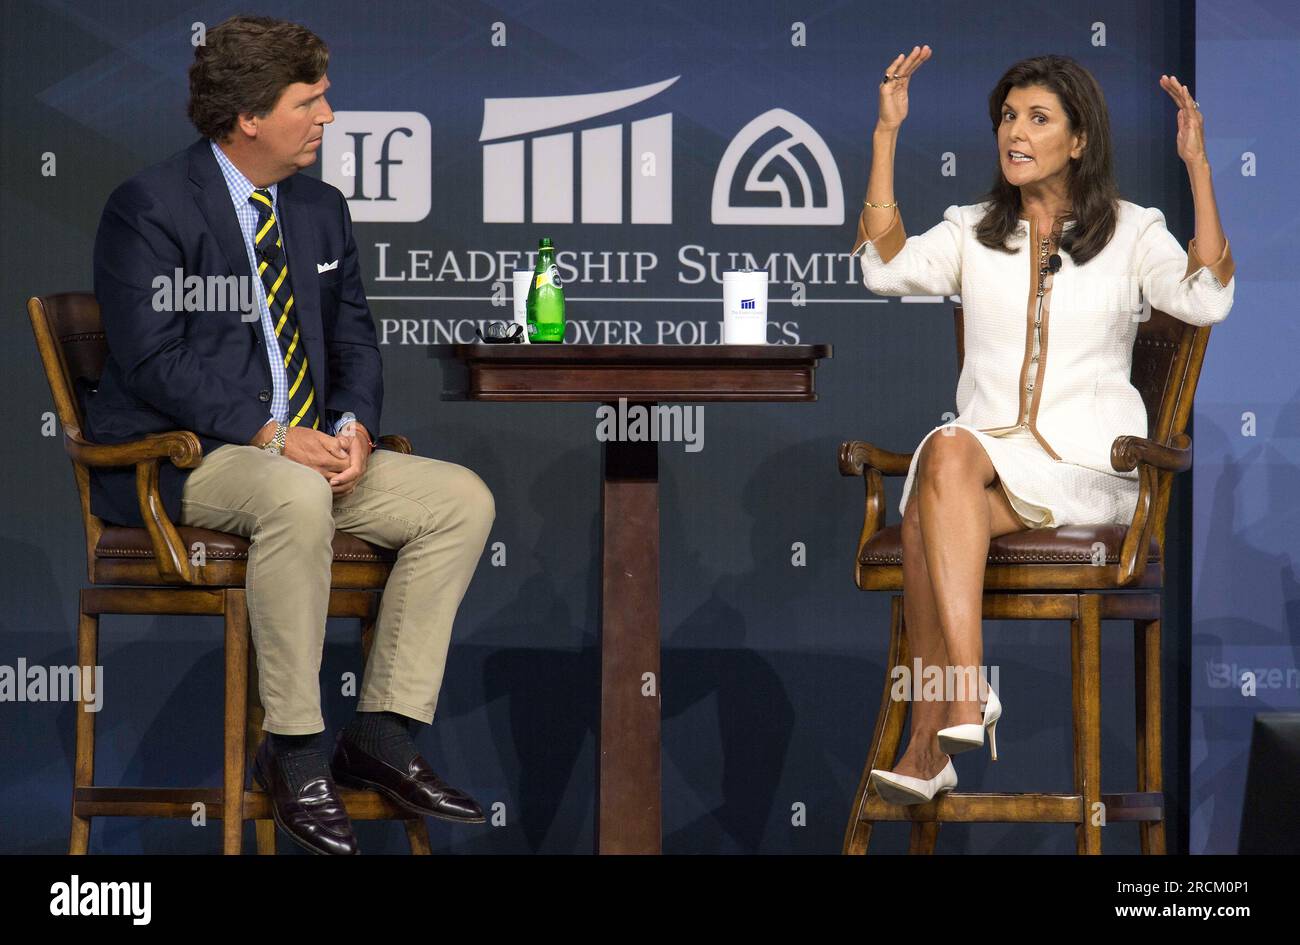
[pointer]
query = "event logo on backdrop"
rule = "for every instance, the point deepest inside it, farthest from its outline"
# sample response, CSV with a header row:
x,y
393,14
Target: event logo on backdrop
x,y
601,157
778,172
511,126
382,162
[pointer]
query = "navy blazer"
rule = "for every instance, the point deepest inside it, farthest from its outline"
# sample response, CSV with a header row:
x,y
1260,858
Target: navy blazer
x,y
207,371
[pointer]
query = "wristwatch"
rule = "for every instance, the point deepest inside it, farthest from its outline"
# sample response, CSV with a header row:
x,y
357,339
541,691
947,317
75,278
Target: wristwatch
x,y
276,443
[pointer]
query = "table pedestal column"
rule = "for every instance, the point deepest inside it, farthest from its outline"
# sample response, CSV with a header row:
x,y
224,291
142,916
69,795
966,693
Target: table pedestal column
x,y
628,817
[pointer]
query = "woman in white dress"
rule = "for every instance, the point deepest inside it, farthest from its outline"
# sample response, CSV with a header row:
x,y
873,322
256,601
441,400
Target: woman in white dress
x,y
1026,452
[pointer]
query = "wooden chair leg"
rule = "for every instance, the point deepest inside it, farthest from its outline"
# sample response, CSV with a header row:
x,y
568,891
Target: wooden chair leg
x,y
253,737
417,835
1085,660
83,772
887,736
265,837
1146,660
233,730
924,836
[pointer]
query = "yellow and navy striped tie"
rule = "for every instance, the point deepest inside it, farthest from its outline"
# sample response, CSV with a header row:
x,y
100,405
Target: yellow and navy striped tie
x,y
273,267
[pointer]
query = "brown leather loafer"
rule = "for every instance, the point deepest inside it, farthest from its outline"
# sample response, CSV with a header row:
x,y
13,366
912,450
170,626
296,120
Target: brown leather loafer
x,y
313,817
417,789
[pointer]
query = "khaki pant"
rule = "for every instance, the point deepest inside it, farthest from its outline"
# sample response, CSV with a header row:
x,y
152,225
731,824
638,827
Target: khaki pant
x,y
436,514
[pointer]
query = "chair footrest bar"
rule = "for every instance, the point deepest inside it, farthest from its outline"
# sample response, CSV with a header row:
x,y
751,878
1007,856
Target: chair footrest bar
x,y
1017,808
179,802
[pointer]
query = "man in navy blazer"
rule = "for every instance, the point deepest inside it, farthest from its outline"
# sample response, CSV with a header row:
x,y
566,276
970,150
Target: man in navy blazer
x,y
232,299
207,371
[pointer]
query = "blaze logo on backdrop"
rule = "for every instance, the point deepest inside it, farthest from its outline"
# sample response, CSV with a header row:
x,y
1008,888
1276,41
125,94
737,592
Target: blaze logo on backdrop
x,y
382,162
778,171
511,124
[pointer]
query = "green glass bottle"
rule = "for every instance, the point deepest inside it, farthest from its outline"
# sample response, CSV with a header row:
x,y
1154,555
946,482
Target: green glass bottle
x,y
545,304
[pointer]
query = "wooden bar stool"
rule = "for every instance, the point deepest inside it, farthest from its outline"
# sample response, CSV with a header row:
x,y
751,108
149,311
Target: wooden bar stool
x,y
1083,574
150,571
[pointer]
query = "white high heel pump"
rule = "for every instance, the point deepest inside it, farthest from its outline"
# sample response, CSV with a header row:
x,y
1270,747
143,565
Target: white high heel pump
x,y
959,738
900,789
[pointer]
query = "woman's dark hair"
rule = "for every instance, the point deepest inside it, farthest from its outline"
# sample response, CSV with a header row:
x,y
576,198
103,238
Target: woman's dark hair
x,y
1093,193
245,65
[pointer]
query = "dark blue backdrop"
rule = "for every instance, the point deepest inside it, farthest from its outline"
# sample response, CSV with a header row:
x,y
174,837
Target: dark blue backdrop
x,y
771,671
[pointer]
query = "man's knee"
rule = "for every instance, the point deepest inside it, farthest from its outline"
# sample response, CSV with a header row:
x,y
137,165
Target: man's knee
x,y
453,495
298,496
476,501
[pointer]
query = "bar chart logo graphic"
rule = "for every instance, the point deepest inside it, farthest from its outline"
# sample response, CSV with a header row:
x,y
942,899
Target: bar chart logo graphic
x,y
383,164
512,147
778,171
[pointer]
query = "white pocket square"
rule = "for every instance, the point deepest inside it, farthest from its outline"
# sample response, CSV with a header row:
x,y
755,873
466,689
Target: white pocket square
x,y
326,267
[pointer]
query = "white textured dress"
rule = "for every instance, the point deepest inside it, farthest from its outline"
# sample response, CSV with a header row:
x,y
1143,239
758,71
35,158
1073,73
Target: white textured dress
x,y
1091,399
1043,491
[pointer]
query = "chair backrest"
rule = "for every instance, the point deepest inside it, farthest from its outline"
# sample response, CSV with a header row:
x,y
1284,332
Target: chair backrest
x,y
73,348
1167,359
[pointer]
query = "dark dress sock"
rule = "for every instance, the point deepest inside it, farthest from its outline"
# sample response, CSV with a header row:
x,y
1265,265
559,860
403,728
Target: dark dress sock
x,y
300,757
385,735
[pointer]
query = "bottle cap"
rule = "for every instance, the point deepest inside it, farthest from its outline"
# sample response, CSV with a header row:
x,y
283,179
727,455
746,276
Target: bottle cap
x,y
544,243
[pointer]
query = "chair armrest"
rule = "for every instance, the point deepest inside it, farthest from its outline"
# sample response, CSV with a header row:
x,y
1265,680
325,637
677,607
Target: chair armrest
x,y
1156,465
180,446
858,458
1127,451
857,455
183,450
395,442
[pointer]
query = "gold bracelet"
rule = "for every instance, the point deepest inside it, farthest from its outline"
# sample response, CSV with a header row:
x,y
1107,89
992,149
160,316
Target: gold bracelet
x,y
878,206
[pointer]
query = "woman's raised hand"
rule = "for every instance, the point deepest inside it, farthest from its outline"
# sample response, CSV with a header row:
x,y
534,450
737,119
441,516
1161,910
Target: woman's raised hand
x,y
893,92
1191,123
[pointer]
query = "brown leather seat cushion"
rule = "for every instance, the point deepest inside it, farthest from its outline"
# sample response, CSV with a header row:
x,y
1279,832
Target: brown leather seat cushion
x,y
119,541
1066,544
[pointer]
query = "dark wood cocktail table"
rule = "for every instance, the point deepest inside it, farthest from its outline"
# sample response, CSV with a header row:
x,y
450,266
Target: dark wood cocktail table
x,y
628,778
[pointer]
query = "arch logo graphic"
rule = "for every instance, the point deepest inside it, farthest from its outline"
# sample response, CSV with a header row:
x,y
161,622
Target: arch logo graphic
x,y
778,171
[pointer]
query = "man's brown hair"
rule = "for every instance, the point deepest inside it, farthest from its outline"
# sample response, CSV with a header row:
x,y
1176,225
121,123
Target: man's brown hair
x,y
245,65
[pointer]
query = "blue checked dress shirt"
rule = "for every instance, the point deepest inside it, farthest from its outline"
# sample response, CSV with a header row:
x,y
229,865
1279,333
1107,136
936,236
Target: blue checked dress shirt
x,y
240,187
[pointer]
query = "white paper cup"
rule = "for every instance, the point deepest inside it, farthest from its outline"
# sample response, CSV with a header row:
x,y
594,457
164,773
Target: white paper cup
x,y
523,279
744,307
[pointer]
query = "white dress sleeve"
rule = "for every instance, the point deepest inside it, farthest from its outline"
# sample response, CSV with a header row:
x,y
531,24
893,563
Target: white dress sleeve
x,y
1179,283
929,264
